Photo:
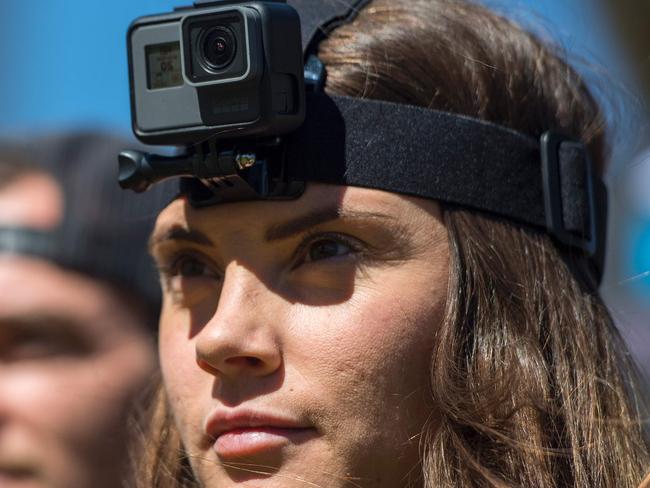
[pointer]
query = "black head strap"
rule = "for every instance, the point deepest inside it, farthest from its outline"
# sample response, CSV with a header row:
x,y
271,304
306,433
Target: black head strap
x,y
101,234
87,253
548,184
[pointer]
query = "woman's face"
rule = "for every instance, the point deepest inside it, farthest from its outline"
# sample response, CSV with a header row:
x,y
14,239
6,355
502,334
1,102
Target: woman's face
x,y
296,337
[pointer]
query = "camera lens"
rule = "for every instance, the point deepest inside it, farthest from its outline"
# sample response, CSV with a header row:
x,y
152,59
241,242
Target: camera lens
x,y
219,47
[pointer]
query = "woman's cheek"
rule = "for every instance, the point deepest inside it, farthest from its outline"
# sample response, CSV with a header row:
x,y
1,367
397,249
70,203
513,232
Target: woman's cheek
x,y
367,363
368,341
177,355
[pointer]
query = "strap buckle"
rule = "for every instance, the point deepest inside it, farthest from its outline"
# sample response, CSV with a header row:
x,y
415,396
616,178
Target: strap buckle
x,y
573,193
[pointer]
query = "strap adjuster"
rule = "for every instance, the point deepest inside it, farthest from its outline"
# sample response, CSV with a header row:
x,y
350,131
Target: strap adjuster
x,y
572,190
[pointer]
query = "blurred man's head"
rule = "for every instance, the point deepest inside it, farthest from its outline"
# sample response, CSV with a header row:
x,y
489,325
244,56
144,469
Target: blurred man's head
x,y
76,314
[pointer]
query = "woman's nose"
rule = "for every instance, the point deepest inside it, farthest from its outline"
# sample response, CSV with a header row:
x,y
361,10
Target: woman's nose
x,y
241,337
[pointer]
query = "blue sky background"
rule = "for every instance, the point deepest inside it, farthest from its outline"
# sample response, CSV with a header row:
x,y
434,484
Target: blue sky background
x,y
64,67
64,61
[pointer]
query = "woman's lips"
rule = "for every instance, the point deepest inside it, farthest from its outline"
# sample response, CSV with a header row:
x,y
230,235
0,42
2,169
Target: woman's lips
x,y
244,442
246,433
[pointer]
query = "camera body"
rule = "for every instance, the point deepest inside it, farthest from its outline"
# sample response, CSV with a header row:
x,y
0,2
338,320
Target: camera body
x,y
223,69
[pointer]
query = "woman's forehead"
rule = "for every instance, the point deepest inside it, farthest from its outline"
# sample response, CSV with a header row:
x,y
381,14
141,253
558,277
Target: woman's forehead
x,y
317,199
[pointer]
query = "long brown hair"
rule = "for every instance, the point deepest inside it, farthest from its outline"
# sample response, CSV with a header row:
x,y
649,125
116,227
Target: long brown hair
x,y
529,378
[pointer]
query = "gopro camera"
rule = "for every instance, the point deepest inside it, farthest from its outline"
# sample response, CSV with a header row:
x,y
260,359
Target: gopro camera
x,y
220,69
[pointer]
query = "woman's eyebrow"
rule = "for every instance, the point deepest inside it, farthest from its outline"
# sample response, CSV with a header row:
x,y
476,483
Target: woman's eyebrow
x,y
301,224
177,233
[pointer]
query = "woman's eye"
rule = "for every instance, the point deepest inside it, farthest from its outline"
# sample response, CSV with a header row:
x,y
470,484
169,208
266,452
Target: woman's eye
x,y
190,266
189,278
187,266
327,248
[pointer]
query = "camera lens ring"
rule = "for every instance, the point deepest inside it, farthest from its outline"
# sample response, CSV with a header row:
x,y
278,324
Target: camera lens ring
x,y
217,47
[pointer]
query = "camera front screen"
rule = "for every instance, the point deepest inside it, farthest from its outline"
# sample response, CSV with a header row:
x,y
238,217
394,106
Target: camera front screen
x,y
164,65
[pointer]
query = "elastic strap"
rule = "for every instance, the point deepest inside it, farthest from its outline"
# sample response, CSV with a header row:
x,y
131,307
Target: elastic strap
x,y
548,184
420,152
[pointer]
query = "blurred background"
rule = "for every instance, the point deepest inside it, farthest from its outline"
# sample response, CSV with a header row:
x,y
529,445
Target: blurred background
x,y
64,67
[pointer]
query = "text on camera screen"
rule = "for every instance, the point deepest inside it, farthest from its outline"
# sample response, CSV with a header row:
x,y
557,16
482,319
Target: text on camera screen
x,y
164,65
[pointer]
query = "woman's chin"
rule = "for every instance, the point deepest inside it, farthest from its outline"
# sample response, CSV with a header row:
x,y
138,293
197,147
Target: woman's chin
x,y
271,464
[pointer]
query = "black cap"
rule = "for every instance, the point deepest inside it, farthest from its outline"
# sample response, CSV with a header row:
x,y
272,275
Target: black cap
x,y
104,231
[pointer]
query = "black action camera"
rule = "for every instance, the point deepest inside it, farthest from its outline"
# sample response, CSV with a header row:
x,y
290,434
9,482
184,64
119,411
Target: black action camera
x,y
220,69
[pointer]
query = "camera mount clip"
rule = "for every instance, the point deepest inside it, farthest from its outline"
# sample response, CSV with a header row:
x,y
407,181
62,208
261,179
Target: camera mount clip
x,y
215,172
